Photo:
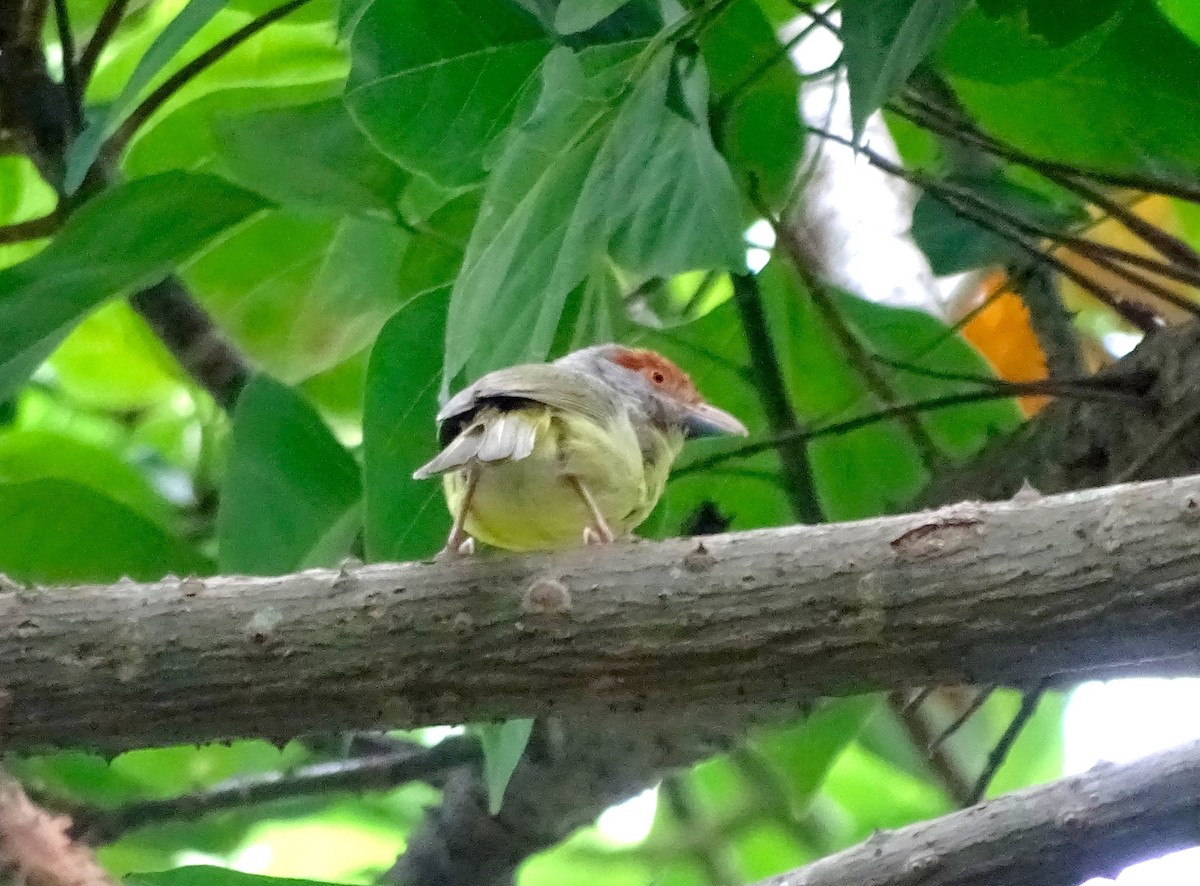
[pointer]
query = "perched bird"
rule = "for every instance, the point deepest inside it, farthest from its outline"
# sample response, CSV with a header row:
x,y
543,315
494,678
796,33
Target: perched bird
x,y
552,455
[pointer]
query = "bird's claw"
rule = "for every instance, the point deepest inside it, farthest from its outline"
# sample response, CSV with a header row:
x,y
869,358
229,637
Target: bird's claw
x,y
456,550
593,537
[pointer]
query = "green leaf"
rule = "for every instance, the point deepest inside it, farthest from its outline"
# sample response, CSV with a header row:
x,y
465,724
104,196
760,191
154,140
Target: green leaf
x,y
884,42
432,83
300,292
43,454
84,150
61,531
598,167
573,16
1145,70
312,155
291,492
503,744
1183,14
405,519
127,238
201,875
755,88
805,753
113,361
1057,23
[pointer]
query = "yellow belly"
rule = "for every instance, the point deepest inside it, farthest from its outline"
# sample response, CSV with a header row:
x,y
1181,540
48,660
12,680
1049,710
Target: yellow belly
x,y
529,504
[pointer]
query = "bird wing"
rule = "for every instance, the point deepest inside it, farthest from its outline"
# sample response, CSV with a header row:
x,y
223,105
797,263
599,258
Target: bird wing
x,y
491,420
554,386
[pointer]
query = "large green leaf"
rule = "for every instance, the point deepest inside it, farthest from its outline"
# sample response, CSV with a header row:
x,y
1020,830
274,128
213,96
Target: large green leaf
x,y
884,42
432,83
129,237
1144,71
27,455
291,494
311,155
405,519
302,291
599,166
61,531
182,28
756,94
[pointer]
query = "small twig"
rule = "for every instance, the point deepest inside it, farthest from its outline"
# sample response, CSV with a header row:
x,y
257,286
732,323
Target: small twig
x,y
110,20
71,83
192,338
156,99
918,698
999,753
964,131
967,713
32,229
961,203
944,768
798,478
1002,390
380,771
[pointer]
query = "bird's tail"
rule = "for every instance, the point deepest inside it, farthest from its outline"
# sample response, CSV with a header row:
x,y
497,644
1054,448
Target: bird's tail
x,y
506,436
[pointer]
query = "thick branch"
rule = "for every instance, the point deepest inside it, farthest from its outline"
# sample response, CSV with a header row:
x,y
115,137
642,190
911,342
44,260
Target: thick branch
x,y
1091,825
1005,593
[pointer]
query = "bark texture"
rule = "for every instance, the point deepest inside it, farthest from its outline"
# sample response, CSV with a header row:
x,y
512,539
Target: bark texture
x,y
1073,444
1084,584
1090,825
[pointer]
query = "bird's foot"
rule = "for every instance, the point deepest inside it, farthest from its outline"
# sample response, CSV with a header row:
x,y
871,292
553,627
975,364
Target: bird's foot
x,y
456,550
597,536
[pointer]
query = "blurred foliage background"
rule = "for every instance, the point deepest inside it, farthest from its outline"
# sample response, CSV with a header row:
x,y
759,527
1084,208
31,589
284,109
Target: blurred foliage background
x,y
378,200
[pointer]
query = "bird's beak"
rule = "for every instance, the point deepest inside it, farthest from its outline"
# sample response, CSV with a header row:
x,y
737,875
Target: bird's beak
x,y
705,420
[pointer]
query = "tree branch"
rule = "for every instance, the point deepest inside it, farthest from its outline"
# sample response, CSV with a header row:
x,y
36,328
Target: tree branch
x,y
1090,825
1007,593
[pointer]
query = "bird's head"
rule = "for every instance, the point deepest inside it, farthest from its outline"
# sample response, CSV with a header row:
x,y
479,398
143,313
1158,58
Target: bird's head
x,y
652,385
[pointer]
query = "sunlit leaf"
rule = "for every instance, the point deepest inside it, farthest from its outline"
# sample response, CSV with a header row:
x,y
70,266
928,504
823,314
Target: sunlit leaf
x,y
127,238
432,83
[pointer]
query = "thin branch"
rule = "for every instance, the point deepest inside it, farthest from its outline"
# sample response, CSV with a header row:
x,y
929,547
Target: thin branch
x,y
798,480
965,132
961,203
106,27
1068,831
376,772
998,391
1168,437
190,335
945,768
999,753
71,82
1051,322
156,99
32,229
966,714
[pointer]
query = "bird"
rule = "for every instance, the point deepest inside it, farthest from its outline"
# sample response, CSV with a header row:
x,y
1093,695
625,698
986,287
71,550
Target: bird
x,y
546,456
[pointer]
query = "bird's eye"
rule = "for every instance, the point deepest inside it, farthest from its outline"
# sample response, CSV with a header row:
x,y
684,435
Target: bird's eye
x,y
658,377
